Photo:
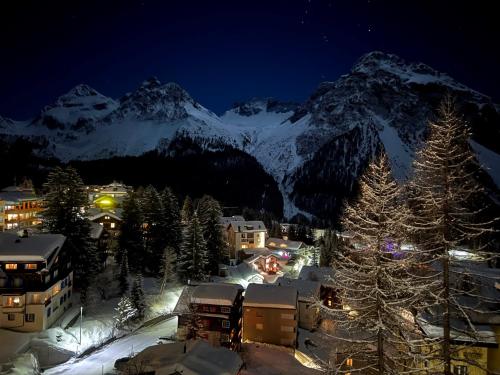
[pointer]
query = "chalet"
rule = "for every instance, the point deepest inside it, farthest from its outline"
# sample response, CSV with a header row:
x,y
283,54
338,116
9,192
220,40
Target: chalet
x,y
111,221
270,314
218,307
107,197
19,208
242,274
325,276
263,261
36,280
245,235
308,297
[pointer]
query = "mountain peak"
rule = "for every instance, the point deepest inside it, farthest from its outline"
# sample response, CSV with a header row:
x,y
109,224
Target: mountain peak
x,y
81,90
151,82
378,60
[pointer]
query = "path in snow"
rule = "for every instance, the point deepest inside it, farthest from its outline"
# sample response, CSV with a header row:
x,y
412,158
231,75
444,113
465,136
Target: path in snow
x,y
102,361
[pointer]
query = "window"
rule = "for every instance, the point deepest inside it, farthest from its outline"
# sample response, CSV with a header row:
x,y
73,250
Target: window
x,y
226,324
259,326
56,289
288,316
11,317
112,225
213,309
225,309
460,370
49,310
11,266
29,318
224,337
205,308
348,362
287,329
56,272
30,266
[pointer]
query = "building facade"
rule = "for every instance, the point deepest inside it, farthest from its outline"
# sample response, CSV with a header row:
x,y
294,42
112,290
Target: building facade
x,y
245,235
36,280
217,307
19,208
270,314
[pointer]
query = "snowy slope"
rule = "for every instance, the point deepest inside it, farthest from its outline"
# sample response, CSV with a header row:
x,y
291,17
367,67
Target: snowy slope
x,y
315,151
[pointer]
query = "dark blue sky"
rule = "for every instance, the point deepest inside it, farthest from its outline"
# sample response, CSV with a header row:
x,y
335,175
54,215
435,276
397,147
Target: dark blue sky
x,y
227,51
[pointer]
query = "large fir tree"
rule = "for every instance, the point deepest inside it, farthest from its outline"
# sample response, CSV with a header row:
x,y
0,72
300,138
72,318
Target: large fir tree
x,y
444,202
187,210
155,229
66,200
137,296
130,240
377,285
209,213
192,258
171,219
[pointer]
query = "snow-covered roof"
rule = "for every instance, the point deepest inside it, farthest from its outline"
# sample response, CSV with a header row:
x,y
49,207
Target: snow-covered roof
x,y
280,243
104,213
246,226
481,334
308,290
325,275
201,359
226,220
263,253
17,195
205,359
268,295
95,230
37,247
216,294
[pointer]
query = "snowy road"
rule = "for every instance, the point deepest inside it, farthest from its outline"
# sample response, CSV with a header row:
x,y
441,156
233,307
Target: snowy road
x,y
102,361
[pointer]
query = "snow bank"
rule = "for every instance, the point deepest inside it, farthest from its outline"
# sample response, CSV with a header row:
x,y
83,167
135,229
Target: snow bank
x,y
23,364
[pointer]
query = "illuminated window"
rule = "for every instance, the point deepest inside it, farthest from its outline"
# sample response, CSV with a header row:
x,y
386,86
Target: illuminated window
x,y
226,324
272,244
283,245
460,370
259,326
57,289
348,362
112,225
30,266
244,246
11,266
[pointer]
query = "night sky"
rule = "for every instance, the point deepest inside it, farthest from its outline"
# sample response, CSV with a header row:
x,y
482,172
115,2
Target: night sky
x,y
227,51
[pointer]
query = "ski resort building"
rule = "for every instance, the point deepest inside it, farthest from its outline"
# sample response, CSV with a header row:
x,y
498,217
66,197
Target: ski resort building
x,y
36,280
19,208
245,235
270,314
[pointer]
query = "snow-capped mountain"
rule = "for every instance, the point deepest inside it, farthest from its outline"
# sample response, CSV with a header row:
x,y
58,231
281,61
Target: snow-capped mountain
x,y
315,151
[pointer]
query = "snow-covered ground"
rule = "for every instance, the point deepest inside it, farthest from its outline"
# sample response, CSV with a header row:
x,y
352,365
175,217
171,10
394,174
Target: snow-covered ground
x,y
102,361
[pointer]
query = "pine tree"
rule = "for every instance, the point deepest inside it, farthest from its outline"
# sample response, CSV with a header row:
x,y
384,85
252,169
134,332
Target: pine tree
x,y
209,213
168,267
329,248
137,296
123,275
192,258
66,199
171,219
377,285
154,234
444,202
130,240
125,312
187,210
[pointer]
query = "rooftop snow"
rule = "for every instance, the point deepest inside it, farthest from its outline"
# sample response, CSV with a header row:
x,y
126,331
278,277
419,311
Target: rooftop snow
x,y
324,275
216,294
274,296
248,226
308,290
37,247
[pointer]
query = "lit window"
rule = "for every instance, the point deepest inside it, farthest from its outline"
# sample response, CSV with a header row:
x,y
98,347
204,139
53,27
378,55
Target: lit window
x,y
259,326
272,244
30,266
348,362
225,309
11,266
112,225
244,246
460,370
17,300
226,324
283,245
57,289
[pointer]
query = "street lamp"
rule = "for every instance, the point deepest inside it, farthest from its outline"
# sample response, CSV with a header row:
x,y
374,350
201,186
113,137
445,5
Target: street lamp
x,y
81,317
